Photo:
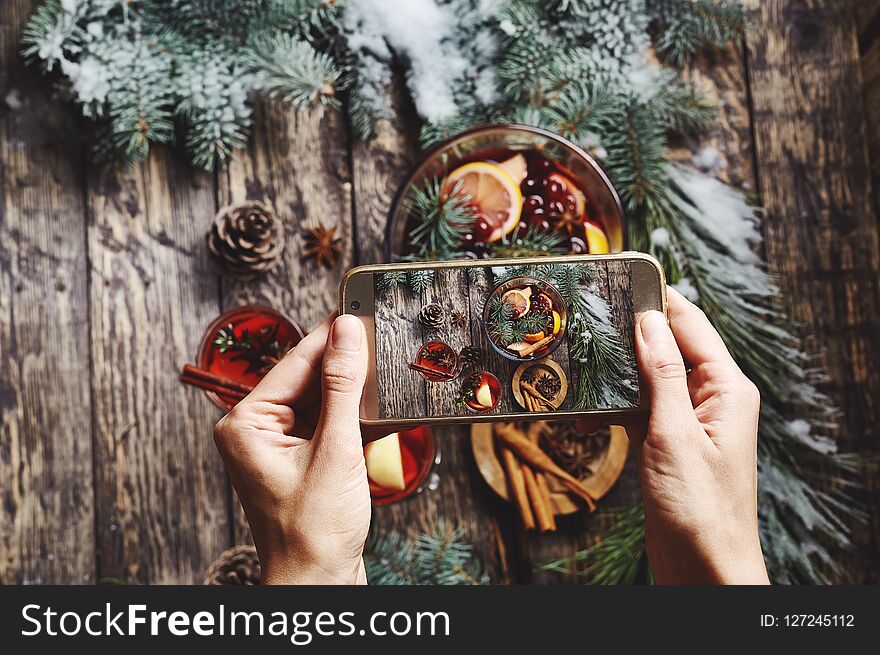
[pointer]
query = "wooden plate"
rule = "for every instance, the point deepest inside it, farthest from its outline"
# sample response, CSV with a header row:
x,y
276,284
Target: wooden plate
x,y
607,468
547,365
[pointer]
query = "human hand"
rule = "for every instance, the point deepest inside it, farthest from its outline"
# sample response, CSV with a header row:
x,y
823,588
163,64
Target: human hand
x,y
697,451
294,453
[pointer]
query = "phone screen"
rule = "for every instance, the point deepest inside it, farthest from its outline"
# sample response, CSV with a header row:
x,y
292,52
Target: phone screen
x,y
470,342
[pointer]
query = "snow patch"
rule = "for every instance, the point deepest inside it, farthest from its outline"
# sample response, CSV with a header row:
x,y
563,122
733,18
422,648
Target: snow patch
x,y
687,289
421,32
660,237
710,160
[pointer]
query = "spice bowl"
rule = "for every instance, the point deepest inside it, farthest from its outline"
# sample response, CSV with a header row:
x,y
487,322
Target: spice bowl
x,y
540,386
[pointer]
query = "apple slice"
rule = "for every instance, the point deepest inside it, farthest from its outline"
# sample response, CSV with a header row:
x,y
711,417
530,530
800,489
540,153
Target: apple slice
x,y
516,166
484,395
384,463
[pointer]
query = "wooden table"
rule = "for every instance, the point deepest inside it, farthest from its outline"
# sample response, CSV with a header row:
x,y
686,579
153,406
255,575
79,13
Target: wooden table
x,y
107,466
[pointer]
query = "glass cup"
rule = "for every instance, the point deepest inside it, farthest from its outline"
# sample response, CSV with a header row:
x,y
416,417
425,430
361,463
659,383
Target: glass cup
x,y
254,319
482,140
420,455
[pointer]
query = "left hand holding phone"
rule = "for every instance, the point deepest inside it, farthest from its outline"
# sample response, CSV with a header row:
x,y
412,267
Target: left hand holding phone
x,y
294,451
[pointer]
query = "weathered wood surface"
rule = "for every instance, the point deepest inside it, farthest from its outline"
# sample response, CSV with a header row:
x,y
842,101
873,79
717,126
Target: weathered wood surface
x,y
46,498
821,224
161,492
98,438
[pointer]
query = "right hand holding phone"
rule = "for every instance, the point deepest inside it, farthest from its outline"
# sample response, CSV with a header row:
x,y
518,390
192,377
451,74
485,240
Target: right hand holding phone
x,y
697,451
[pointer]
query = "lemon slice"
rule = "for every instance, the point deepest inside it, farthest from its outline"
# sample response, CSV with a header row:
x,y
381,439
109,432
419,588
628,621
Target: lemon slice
x,y
493,192
597,242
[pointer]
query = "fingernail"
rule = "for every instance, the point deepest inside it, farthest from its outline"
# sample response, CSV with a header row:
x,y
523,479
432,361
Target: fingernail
x,y
655,329
347,333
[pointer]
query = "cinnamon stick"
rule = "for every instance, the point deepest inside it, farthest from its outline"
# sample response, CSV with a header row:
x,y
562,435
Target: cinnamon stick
x,y
543,487
517,487
540,508
213,378
220,390
430,371
528,350
537,458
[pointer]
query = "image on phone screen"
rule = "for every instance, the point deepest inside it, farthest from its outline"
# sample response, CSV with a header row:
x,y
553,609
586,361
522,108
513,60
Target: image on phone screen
x,y
514,339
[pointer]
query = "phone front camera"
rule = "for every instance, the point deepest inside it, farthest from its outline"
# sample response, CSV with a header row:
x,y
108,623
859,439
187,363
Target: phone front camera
x,y
355,305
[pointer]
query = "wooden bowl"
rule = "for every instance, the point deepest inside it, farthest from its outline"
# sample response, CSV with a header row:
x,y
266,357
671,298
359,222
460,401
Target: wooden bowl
x,y
547,365
607,468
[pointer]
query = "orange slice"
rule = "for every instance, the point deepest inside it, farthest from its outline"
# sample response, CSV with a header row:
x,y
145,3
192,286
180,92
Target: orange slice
x,y
572,188
518,301
493,192
534,336
597,242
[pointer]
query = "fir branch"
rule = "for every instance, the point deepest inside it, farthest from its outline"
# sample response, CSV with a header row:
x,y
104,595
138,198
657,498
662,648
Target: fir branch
x,y
618,557
608,377
291,70
438,557
443,218
389,280
420,280
684,26
532,243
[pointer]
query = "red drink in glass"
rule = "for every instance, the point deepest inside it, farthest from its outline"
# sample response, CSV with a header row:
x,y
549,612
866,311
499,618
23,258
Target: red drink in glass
x,y
481,391
418,457
270,335
436,361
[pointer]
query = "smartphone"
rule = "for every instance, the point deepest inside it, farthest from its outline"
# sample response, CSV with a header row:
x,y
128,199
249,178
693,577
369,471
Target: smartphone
x,y
502,339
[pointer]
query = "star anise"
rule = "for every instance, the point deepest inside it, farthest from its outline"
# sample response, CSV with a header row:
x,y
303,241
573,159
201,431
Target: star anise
x,y
458,318
323,244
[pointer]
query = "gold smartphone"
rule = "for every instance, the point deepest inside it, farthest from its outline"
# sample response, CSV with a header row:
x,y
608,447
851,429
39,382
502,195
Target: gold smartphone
x,y
502,339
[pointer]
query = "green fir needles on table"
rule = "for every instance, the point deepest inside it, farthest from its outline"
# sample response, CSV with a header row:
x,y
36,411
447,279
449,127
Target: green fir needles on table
x,y
435,557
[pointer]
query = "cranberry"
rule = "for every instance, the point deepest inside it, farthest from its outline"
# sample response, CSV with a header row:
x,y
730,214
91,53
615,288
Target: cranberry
x,y
482,230
532,203
555,190
571,204
530,184
578,246
555,208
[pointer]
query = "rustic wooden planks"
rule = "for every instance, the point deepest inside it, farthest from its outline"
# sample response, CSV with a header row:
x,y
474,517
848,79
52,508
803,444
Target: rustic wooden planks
x,y
867,17
46,503
163,501
821,224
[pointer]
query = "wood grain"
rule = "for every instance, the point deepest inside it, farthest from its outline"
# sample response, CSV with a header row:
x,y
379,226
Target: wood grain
x,y
821,225
46,503
162,513
867,18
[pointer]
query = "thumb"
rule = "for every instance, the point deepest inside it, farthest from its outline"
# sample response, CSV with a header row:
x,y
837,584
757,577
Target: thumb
x,y
663,370
342,382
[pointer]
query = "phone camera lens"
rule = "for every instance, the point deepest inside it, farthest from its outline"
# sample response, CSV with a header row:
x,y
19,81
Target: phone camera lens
x,y
355,305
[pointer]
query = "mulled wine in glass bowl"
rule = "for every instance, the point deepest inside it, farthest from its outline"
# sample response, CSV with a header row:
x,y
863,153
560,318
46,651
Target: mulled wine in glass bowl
x,y
243,344
480,392
525,319
399,465
527,191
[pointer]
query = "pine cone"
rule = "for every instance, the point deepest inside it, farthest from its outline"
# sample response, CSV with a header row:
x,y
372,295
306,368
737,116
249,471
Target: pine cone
x,y
246,240
237,566
470,356
432,316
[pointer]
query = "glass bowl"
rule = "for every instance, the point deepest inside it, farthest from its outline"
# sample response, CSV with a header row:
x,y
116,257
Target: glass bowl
x,y
420,456
557,305
445,157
